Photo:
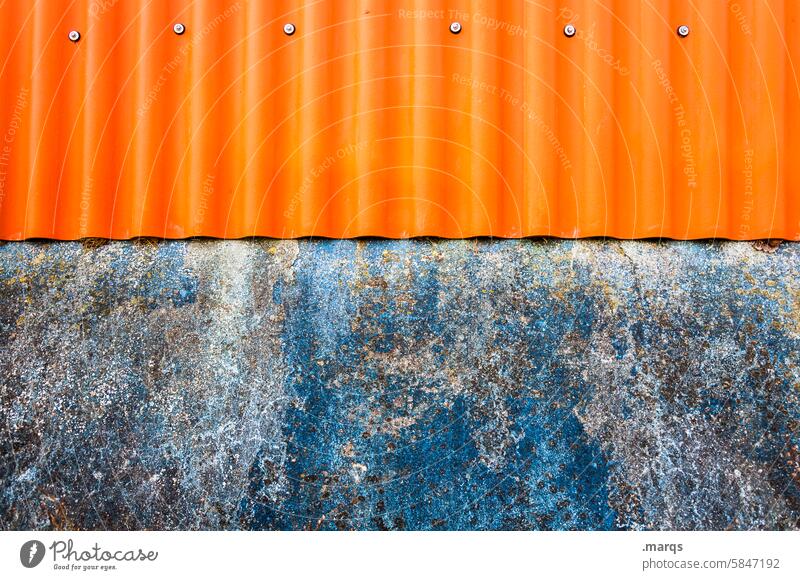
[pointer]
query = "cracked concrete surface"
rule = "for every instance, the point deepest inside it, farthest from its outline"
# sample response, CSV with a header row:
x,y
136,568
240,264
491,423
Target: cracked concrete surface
x,y
533,384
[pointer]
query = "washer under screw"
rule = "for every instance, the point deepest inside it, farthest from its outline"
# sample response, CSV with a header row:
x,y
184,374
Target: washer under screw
x,y
456,27
289,29
179,28
570,30
683,31
74,35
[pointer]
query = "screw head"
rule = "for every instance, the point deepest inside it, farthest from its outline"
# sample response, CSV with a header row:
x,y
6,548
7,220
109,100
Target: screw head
x,y
74,35
289,29
179,28
455,27
570,30
683,31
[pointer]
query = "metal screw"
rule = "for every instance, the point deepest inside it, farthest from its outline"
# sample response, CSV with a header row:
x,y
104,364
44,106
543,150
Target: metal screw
x,y
683,31
74,35
179,29
455,27
289,29
570,30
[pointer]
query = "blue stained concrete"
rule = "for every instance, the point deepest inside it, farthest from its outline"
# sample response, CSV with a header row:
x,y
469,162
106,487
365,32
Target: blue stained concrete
x,y
464,385
399,451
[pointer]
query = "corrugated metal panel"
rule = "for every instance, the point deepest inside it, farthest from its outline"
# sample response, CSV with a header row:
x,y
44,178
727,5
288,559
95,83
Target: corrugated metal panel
x,y
375,119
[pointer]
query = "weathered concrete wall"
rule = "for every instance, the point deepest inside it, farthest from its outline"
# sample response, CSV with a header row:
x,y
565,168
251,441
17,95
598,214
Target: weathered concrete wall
x,y
417,385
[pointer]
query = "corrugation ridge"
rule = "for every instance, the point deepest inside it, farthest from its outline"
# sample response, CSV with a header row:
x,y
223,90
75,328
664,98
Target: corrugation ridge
x,y
636,130
504,202
776,75
236,198
510,167
347,91
17,63
433,141
317,81
458,122
709,150
277,181
556,89
746,184
259,123
247,126
37,213
379,140
620,193
763,127
121,126
792,86
779,225
564,95
720,24
526,178
224,166
132,209
717,30
398,218
191,114
177,118
737,138
598,124
98,106
736,127
293,166
614,192
466,210
651,190
674,55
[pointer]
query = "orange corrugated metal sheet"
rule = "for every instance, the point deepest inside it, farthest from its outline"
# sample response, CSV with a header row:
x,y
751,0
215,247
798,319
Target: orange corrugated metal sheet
x,y
374,118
